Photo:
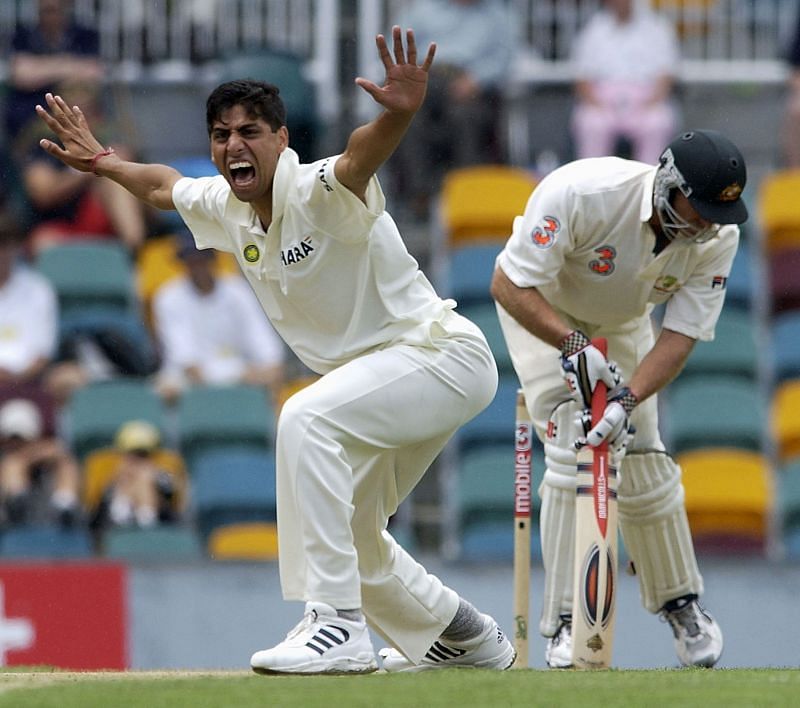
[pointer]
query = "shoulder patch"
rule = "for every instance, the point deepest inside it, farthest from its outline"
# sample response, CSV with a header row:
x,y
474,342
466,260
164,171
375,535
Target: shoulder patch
x,y
544,235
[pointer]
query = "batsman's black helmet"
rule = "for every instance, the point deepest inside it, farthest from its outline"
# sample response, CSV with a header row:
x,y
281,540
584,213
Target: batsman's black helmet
x,y
710,171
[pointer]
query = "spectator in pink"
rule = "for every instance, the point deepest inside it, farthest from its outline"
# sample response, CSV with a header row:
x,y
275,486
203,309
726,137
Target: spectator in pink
x,y
626,58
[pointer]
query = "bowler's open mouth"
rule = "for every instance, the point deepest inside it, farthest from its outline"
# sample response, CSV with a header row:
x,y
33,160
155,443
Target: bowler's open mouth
x,y
242,173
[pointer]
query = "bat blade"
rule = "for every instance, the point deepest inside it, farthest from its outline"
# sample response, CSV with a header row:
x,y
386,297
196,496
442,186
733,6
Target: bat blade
x,y
595,570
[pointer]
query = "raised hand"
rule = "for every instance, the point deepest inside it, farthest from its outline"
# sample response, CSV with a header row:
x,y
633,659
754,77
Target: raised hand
x,y
406,82
80,147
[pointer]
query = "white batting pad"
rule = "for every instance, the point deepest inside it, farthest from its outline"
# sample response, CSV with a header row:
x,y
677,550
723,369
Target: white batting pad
x,y
655,529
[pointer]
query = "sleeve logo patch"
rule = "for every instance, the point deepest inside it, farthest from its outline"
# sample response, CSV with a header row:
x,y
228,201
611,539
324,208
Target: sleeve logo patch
x,y
544,235
719,281
604,263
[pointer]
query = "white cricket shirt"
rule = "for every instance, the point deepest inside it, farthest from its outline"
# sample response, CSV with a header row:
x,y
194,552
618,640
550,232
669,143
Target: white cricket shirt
x,y
331,273
28,319
585,243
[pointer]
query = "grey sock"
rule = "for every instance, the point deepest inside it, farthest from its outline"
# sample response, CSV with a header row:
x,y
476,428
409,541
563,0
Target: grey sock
x,y
468,623
353,615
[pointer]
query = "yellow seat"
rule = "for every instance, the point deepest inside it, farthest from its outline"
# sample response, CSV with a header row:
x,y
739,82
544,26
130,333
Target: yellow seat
x,y
99,467
481,202
777,206
251,541
785,420
730,497
157,264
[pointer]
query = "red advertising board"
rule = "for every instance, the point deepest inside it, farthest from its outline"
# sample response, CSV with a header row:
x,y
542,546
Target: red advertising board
x,y
68,615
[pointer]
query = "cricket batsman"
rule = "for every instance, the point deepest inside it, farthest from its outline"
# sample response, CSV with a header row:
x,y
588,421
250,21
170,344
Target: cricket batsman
x,y
601,242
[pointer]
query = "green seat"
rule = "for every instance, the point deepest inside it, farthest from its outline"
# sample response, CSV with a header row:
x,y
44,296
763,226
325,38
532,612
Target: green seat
x,y
789,495
229,416
95,274
158,544
96,411
485,316
733,351
485,498
719,411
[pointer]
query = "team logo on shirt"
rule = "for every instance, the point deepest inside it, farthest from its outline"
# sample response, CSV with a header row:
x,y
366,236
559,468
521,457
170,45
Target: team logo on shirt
x,y
298,252
604,263
719,281
251,253
667,284
322,178
544,235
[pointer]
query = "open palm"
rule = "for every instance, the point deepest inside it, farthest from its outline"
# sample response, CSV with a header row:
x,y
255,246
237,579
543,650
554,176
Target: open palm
x,y
404,88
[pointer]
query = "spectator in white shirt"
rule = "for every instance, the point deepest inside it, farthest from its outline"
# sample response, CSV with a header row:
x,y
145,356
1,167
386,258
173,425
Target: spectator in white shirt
x,y
28,313
212,330
626,58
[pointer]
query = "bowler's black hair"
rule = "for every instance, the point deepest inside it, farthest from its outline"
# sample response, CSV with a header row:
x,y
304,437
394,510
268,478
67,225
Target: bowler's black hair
x,y
258,98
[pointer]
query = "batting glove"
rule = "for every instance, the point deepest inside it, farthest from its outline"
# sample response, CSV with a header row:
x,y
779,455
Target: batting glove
x,y
615,426
583,365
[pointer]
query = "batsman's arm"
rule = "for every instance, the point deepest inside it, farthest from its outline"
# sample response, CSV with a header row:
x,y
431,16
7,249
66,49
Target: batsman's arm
x,y
528,307
661,364
151,183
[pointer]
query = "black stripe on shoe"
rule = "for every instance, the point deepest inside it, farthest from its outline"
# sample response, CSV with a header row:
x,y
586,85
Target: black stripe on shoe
x,y
326,637
441,652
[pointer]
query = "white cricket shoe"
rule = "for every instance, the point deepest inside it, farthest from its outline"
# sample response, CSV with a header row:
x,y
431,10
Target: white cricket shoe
x,y
698,638
558,652
322,643
491,649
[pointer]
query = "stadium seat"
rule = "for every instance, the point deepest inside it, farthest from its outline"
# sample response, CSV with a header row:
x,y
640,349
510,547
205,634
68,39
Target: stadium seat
x,y
470,268
161,544
784,285
481,202
789,507
730,498
494,424
253,541
485,500
99,467
785,331
233,485
485,316
785,420
96,274
779,217
733,351
714,411
213,416
96,411
743,280
45,542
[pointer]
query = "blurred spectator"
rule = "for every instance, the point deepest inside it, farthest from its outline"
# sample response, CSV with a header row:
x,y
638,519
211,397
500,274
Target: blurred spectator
x,y
28,313
458,124
42,56
212,329
625,61
67,204
140,492
35,466
791,128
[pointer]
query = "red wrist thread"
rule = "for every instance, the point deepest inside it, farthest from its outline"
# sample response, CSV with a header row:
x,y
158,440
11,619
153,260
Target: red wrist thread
x,y
104,153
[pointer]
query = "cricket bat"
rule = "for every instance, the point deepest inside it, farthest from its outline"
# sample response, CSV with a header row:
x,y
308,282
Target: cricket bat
x,y
594,597
523,485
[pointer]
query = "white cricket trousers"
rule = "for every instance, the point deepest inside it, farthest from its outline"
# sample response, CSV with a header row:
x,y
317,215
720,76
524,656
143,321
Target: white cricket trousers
x,y
350,448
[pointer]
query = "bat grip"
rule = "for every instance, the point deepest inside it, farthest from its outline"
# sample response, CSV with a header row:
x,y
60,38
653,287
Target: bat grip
x,y
600,390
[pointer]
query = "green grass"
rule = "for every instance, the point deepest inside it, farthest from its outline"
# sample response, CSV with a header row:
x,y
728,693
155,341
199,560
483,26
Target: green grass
x,y
452,688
